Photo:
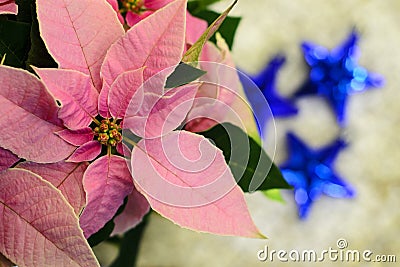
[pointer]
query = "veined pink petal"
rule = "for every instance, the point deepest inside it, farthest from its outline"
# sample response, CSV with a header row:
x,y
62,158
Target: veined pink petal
x,y
185,179
114,5
8,7
29,118
25,89
136,207
65,176
37,225
133,18
165,115
7,159
123,90
79,33
195,27
156,42
107,181
77,137
77,95
86,152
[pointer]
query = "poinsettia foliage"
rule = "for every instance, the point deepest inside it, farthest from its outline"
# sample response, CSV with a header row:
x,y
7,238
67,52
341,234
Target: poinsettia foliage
x,y
99,139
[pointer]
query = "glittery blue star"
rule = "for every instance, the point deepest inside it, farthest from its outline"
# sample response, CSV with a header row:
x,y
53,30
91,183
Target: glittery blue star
x,y
311,173
266,82
335,74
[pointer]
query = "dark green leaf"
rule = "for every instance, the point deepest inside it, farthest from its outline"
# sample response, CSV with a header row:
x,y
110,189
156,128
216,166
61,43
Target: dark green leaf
x,y
25,10
38,55
199,5
14,42
183,74
249,163
102,234
129,246
227,29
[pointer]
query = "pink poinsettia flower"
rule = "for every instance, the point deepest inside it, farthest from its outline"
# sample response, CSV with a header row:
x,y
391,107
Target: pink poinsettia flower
x,y
8,7
107,81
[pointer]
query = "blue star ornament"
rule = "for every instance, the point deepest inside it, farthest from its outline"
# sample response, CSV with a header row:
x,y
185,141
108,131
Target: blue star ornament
x,y
336,74
265,82
311,173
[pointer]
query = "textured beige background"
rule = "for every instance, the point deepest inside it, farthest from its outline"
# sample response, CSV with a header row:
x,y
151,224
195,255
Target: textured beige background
x,y
371,162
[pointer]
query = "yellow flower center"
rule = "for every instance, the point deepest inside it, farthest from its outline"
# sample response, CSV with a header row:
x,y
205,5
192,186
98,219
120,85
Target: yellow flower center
x,y
135,6
108,133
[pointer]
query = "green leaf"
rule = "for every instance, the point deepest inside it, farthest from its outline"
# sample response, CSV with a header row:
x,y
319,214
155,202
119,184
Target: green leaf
x,y
102,234
195,6
250,165
193,53
227,29
183,74
14,42
274,194
38,55
129,246
25,10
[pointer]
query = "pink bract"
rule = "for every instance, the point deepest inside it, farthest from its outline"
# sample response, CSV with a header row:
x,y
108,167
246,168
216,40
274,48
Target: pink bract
x,y
38,226
8,7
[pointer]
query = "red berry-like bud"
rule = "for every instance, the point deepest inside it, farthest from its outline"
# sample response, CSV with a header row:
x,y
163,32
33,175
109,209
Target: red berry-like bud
x,y
104,127
113,133
118,137
103,138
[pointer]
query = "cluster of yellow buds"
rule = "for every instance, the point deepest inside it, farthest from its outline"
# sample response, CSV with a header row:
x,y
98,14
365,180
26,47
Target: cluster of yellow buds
x,y
108,133
135,6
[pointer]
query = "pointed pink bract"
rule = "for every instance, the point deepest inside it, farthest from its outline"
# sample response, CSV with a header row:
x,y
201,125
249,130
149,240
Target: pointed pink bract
x,y
161,114
136,207
107,181
64,176
185,178
115,100
77,95
78,137
86,152
24,99
7,159
156,42
37,225
78,33
8,7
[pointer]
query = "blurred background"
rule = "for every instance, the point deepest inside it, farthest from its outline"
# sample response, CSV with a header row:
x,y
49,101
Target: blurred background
x,y
370,221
